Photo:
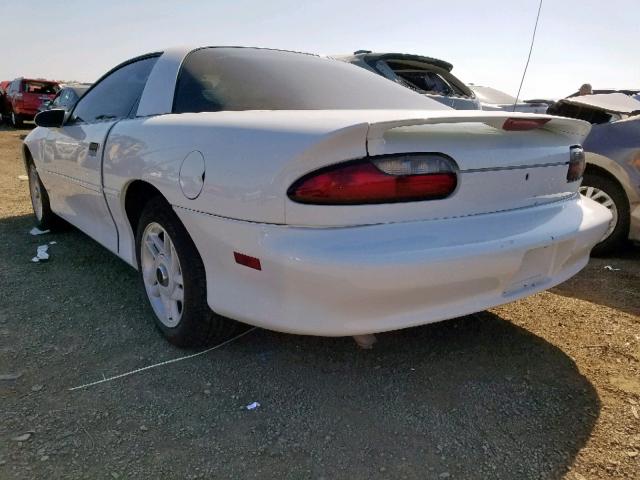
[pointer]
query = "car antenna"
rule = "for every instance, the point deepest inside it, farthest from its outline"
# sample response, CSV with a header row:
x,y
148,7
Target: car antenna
x,y
533,39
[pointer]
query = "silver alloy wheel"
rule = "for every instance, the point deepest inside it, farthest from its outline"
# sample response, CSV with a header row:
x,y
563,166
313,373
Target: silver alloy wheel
x,y
36,193
604,199
162,274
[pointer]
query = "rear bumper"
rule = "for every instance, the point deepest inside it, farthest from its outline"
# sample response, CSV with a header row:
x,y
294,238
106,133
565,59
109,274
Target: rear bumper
x,y
356,280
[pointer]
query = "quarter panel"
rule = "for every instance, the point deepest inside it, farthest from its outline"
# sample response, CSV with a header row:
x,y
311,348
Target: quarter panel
x,y
250,158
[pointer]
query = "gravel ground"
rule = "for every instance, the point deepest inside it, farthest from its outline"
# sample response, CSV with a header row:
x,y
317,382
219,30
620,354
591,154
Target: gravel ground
x,y
546,387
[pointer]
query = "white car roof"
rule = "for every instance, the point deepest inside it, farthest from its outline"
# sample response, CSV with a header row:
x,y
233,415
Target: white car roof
x,y
157,96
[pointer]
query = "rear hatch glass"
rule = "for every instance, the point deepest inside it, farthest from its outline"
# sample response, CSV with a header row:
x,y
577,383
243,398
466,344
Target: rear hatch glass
x,y
35,92
424,78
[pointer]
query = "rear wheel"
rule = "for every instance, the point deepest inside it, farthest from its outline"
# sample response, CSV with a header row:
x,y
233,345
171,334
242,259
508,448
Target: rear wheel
x,y
174,280
45,217
610,194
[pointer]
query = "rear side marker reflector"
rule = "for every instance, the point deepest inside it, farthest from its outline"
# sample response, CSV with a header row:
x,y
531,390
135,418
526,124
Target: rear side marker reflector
x,y
523,124
247,261
384,179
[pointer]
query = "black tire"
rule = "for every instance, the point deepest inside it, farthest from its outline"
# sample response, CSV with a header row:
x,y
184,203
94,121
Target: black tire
x,y
620,234
45,218
198,325
16,120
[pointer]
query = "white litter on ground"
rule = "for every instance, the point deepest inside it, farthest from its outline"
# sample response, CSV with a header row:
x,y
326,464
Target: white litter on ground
x,y
52,242
253,406
23,177
611,269
37,231
42,254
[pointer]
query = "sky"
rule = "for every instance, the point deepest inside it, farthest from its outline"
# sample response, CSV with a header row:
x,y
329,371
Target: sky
x,y
487,41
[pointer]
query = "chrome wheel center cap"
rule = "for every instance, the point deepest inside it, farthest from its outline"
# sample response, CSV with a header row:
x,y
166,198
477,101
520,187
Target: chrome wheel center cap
x,y
162,275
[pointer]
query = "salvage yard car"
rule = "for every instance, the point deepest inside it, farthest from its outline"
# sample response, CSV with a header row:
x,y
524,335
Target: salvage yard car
x,y
428,76
306,195
23,98
612,150
492,99
66,98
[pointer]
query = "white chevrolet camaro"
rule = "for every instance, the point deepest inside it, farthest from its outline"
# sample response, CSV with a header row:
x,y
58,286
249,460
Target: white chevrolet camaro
x,y
306,195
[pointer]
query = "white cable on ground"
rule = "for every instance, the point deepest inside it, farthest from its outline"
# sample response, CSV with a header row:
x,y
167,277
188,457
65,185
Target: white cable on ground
x,y
167,362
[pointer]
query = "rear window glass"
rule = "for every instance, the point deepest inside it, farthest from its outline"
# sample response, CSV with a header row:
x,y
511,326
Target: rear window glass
x,y
40,87
215,79
421,78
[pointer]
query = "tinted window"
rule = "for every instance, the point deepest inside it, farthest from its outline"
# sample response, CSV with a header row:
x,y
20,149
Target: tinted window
x,y
71,97
114,96
59,99
33,86
214,79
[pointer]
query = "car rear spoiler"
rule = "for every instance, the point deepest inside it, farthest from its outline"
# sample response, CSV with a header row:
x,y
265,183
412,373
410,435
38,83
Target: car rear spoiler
x,y
575,130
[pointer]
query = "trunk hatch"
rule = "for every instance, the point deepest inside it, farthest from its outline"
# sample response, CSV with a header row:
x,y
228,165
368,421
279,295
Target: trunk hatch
x,y
498,170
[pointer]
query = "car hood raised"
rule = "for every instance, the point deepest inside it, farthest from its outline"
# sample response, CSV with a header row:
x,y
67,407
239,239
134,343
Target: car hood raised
x,y
607,102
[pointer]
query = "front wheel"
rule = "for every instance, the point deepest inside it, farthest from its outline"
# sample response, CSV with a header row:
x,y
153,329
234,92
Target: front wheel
x,y
174,280
45,217
609,194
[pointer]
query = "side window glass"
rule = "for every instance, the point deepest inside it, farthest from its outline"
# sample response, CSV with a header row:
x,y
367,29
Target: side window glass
x,y
58,100
114,96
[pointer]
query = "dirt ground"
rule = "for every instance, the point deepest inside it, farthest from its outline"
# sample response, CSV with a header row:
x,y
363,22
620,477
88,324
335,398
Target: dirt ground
x,y
547,387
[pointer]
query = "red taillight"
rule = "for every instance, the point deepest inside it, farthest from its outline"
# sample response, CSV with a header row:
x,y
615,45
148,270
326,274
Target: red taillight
x,y
387,179
522,124
577,164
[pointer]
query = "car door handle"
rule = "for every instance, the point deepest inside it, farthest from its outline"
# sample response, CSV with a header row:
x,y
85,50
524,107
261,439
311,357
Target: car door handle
x,y
93,148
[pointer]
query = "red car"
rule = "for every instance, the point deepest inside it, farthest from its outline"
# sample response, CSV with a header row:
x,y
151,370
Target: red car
x,y
23,97
3,95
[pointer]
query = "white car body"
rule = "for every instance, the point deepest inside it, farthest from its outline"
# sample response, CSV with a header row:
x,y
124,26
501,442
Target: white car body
x,y
514,226
495,100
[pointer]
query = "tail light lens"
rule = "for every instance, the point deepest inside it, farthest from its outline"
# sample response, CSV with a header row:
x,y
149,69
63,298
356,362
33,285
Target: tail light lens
x,y
576,164
385,179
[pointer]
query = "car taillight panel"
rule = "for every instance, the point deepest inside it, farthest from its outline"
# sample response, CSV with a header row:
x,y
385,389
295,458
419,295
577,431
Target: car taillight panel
x,y
577,164
385,179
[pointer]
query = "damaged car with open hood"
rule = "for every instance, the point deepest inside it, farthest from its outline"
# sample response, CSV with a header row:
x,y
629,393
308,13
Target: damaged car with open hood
x,y
306,195
612,150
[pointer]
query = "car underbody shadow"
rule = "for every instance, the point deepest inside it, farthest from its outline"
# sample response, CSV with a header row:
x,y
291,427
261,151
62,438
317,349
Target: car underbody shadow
x,y
475,397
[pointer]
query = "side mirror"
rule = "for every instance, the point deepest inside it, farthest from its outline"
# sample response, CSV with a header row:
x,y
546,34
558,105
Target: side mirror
x,y
51,118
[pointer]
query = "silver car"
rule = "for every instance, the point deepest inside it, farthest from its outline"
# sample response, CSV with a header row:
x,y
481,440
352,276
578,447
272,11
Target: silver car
x,y
612,177
425,75
492,99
